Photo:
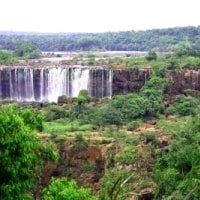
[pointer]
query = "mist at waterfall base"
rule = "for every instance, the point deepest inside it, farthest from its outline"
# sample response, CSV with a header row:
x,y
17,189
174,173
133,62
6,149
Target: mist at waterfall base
x,y
47,84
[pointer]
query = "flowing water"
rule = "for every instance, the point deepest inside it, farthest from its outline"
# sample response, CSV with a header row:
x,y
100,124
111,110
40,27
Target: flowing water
x,y
47,84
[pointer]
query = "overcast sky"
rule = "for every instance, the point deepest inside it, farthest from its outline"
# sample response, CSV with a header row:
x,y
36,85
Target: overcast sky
x,y
96,15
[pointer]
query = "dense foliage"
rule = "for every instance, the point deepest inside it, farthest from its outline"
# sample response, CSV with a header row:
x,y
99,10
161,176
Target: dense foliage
x,y
7,58
157,39
21,152
27,50
66,190
177,172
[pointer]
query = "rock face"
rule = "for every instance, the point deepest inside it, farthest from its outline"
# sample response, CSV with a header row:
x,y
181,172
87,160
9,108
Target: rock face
x,y
86,166
129,81
183,80
125,81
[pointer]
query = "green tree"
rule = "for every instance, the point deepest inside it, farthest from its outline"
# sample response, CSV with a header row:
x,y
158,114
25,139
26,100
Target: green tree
x,y
62,189
18,155
177,172
33,118
183,48
27,50
21,154
151,56
7,58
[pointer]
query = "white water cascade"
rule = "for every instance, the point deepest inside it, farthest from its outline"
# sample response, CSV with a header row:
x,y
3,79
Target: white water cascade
x,y
47,84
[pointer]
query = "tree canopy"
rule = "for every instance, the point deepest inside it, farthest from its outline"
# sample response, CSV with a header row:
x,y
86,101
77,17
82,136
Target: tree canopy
x,y
156,40
21,153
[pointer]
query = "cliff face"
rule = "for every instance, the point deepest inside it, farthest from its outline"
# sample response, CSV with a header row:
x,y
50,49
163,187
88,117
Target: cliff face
x,y
129,81
183,80
125,81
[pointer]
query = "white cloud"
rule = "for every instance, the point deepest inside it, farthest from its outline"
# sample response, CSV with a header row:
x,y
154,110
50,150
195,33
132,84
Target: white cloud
x,y
96,15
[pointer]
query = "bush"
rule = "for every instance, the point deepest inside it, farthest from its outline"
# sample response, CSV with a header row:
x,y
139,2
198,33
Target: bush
x,y
87,167
66,190
115,185
33,118
129,106
183,105
151,56
186,105
153,104
177,171
133,125
80,144
127,157
109,115
171,110
7,58
150,137
56,112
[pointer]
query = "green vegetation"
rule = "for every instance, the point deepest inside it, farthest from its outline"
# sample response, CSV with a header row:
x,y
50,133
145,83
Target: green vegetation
x,y
183,105
66,190
80,143
143,143
27,50
21,154
177,172
7,58
116,185
156,39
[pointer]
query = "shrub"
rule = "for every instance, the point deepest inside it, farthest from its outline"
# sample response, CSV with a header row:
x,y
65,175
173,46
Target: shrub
x,y
80,143
171,110
33,118
177,171
7,58
186,105
109,115
116,184
66,190
127,157
183,105
133,125
56,112
151,56
88,166
150,137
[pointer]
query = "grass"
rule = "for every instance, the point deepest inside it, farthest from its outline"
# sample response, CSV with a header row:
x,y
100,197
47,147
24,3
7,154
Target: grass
x,y
173,126
62,126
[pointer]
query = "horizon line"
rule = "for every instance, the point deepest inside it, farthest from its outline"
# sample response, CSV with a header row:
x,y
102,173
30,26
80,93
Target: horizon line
x,y
88,32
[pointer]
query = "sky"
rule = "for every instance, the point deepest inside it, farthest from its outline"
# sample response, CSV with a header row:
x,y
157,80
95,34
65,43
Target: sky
x,y
96,15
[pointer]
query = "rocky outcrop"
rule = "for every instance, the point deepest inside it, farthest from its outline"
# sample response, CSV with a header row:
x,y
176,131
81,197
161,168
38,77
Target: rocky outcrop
x,y
86,166
125,81
183,80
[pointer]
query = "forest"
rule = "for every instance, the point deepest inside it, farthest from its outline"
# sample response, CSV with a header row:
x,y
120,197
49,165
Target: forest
x,y
162,40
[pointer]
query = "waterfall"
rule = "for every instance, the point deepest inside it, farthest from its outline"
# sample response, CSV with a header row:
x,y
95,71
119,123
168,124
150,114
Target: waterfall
x,y
47,84
80,80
